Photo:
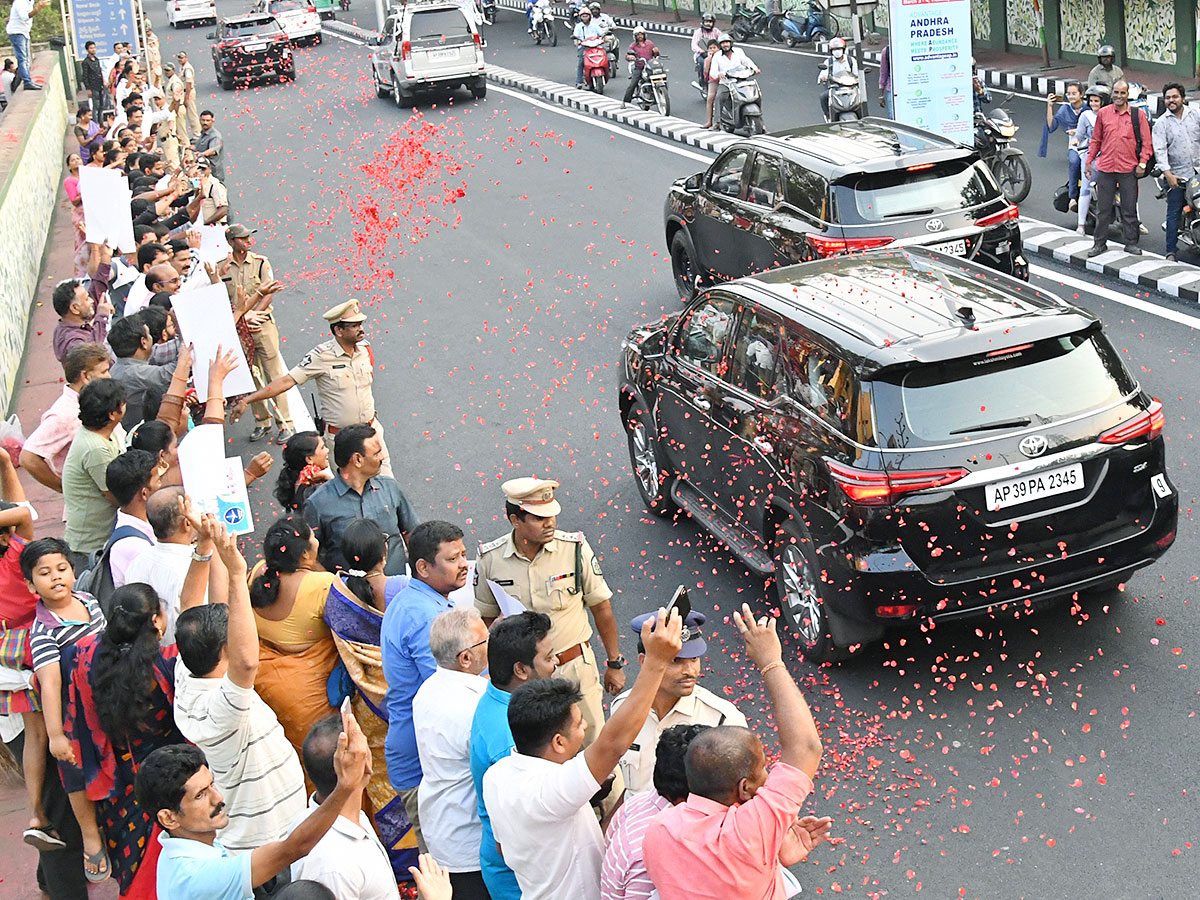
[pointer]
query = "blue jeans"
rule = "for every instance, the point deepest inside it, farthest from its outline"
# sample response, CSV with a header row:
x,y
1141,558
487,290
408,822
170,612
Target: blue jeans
x,y
1074,172
579,68
1174,208
20,45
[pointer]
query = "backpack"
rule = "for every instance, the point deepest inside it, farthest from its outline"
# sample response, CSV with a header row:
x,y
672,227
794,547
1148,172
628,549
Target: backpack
x,y
1135,115
97,578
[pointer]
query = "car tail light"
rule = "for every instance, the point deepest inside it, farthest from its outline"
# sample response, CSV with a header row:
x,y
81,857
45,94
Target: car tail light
x,y
312,9
1166,540
879,488
898,611
405,50
826,246
1148,422
478,39
1007,214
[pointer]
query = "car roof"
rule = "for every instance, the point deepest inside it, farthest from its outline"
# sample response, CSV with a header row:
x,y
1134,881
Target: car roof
x,y
839,149
897,306
247,17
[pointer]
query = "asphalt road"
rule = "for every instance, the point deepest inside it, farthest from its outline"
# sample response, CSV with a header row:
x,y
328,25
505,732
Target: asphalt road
x,y
503,250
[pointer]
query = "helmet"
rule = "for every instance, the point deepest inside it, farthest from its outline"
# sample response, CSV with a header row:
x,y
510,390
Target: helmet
x,y
1106,50
594,7
837,44
708,20
639,30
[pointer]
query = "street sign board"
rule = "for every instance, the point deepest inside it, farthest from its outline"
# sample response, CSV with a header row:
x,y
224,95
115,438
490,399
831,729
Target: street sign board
x,y
930,55
104,21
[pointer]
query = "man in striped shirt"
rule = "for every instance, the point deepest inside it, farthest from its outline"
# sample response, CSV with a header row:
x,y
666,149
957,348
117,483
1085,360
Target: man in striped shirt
x,y
217,709
623,874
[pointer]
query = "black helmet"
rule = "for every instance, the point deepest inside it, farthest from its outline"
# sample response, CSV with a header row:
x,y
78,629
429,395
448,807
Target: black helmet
x,y
1106,50
708,20
1098,90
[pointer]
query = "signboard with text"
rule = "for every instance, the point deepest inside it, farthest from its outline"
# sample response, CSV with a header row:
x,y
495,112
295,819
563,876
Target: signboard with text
x,y
104,21
930,52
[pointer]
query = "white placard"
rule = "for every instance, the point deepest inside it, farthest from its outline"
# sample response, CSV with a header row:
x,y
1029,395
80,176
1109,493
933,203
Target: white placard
x,y
206,321
301,418
216,484
930,54
509,605
106,211
213,245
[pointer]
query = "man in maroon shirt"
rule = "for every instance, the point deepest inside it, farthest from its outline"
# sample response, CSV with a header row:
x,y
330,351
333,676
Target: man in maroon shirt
x,y
83,311
1115,150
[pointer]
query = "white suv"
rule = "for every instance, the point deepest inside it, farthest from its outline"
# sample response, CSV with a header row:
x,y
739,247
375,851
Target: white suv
x,y
180,11
433,45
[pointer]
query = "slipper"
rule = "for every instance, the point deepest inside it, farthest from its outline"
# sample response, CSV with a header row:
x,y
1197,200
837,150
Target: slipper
x,y
43,838
100,861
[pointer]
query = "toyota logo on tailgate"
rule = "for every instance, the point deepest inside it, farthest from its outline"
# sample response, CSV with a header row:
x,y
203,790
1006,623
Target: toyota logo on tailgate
x,y
935,225
1034,445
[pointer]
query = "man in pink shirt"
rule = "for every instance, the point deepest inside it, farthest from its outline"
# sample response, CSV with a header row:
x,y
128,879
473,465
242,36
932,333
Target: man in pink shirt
x,y
46,448
1120,154
739,824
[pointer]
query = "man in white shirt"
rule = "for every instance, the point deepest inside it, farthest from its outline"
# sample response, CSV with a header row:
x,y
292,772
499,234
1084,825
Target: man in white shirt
x,y
728,58
131,478
217,709
538,798
20,24
349,859
443,709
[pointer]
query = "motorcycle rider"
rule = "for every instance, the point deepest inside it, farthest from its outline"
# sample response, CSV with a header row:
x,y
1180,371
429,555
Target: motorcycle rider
x,y
1177,154
640,52
708,31
1105,72
610,34
585,30
839,63
729,58
980,95
1096,97
529,5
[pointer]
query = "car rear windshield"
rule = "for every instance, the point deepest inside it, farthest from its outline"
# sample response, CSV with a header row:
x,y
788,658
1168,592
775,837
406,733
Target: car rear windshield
x,y
249,29
945,187
979,397
434,25
289,6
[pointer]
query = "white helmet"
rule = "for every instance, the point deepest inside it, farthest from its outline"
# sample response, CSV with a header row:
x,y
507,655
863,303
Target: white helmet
x,y
639,30
837,44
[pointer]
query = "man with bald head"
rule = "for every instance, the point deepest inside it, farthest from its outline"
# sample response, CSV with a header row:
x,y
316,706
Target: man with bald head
x,y
740,823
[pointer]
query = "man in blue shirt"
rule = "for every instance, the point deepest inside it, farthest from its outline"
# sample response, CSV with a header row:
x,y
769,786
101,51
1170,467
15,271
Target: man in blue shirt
x,y
586,30
519,650
438,561
359,491
176,787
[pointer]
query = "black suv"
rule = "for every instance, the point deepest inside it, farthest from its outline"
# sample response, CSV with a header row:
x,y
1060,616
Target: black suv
x,y
899,434
821,190
251,46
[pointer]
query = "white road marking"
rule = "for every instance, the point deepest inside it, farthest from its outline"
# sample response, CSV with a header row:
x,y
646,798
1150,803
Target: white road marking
x,y
346,38
1163,312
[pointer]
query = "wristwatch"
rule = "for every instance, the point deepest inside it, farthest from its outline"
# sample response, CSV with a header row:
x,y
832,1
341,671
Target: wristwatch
x,y
618,663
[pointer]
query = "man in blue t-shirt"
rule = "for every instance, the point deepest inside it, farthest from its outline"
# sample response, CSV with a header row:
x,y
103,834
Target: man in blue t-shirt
x,y
438,561
519,650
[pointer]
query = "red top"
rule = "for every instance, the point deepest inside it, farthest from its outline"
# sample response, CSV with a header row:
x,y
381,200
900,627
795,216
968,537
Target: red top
x,y
1113,140
16,602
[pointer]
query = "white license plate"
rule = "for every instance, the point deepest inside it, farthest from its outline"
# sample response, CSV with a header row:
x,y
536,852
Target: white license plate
x,y
255,48
443,54
953,248
1034,486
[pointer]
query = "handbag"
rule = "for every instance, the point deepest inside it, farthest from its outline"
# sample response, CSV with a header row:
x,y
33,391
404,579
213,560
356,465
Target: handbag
x,y
1062,199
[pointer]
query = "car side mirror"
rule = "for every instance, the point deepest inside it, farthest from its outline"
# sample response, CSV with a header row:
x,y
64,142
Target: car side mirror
x,y
212,35
693,182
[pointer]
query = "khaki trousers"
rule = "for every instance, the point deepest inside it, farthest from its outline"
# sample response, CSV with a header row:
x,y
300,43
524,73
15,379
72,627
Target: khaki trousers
x,y
584,674
409,797
193,114
266,366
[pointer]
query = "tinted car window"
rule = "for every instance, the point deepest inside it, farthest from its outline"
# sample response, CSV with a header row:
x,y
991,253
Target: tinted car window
x,y
435,24
278,6
892,195
755,366
725,177
703,333
248,29
977,397
765,187
821,382
806,190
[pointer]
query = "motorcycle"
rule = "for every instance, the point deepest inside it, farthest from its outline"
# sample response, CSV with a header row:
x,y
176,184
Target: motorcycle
x,y
487,9
1139,100
846,100
995,132
739,103
746,23
1189,216
543,23
792,30
652,89
595,64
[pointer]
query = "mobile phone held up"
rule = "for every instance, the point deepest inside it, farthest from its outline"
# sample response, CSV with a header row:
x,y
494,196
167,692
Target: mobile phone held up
x,y
680,602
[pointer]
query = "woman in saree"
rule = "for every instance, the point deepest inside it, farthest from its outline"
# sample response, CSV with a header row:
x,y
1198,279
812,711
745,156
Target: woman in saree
x,y
78,229
354,614
288,591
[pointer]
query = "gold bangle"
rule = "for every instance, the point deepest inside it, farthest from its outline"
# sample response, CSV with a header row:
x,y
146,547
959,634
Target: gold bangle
x,y
768,668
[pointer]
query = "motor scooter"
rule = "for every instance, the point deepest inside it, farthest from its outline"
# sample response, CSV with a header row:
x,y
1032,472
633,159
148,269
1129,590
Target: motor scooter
x,y
596,69
846,100
816,28
739,103
543,23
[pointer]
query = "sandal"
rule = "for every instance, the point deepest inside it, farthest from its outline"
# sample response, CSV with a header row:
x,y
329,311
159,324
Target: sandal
x,y
43,837
100,861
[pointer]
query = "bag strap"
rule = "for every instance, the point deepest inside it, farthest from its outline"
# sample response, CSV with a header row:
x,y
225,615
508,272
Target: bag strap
x,y
1136,118
125,531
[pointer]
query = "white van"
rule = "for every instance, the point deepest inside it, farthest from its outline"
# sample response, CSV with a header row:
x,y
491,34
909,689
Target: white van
x,y
427,46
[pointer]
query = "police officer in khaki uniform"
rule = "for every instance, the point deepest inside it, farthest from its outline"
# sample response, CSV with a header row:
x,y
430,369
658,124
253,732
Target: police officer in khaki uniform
x,y
342,370
251,283
556,573
679,701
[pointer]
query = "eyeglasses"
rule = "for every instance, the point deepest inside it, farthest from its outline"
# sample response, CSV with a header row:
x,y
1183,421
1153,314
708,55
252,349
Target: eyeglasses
x,y
476,644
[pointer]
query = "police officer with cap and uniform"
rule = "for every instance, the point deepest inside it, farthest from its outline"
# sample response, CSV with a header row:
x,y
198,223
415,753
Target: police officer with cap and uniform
x,y
556,573
680,701
342,370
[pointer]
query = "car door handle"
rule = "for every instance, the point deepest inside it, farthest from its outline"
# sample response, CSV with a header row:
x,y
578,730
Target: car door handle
x,y
764,445
702,402
770,234
726,217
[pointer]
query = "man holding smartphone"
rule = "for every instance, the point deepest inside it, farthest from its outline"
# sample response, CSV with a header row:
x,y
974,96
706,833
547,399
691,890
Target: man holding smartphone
x,y
680,700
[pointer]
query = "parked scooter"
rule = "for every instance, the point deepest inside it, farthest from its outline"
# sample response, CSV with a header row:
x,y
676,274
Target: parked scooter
x,y
596,71
995,133
1189,216
747,22
792,30
739,103
543,23
652,89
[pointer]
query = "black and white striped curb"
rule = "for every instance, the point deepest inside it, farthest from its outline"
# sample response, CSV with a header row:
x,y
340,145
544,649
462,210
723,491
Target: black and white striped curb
x,y
564,14
351,31
1176,279
670,127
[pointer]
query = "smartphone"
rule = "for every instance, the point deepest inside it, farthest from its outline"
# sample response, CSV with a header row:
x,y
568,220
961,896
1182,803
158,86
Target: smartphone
x,y
680,602
195,183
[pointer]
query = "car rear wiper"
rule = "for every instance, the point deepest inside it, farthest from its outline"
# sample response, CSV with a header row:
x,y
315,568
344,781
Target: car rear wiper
x,y
1016,422
911,212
